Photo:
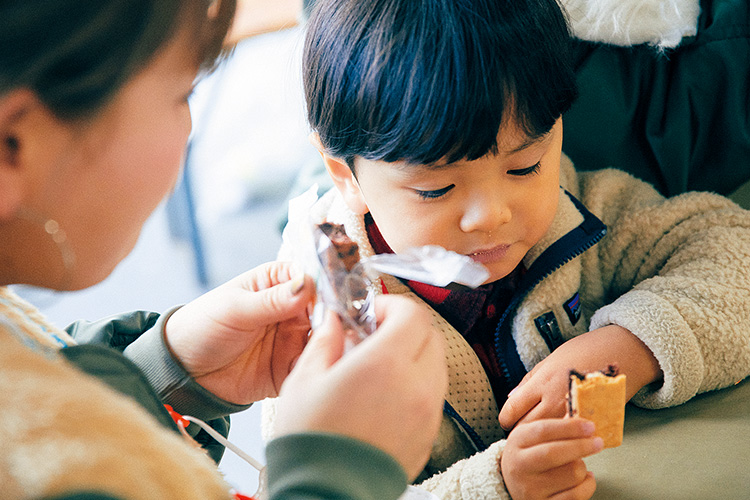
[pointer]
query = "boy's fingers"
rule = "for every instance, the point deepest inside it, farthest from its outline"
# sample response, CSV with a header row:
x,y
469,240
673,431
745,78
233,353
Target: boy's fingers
x,y
545,409
553,429
565,477
556,454
584,490
520,402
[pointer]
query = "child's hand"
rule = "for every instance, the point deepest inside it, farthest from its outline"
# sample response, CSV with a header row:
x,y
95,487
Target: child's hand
x,y
544,459
542,392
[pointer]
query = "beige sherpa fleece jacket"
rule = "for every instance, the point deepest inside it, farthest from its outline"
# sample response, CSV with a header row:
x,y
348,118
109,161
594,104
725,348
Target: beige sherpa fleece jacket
x,y
675,272
62,431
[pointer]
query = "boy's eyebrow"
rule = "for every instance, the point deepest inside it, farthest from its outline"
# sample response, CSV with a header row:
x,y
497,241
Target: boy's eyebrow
x,y
529,142
409,167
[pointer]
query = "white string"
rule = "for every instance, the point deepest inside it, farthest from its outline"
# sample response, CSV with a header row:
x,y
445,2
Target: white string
x,y
247,458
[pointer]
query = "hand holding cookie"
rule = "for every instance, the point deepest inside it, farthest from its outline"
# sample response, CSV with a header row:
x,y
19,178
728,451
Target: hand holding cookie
x,y
544,459
542,393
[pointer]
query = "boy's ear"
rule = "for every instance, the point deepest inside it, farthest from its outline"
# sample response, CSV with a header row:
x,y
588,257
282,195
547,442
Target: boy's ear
x,y
13,107
343,178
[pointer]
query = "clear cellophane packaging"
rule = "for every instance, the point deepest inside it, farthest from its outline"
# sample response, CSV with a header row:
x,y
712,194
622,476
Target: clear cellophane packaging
x,y
350,293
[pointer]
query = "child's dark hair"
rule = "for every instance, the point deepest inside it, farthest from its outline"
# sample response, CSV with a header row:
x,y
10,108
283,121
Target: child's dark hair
x,y
428,80
76,54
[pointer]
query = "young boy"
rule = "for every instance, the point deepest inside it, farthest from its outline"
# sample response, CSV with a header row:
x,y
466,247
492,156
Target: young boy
x,y
439,123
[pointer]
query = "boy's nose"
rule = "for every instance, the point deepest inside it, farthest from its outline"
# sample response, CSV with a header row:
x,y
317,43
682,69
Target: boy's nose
x,y
485,214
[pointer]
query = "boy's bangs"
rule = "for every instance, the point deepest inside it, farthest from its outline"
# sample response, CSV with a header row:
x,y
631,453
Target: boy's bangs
x,y
428,81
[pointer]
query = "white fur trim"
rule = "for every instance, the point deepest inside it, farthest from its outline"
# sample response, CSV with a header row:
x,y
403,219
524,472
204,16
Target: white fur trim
x,y
633,22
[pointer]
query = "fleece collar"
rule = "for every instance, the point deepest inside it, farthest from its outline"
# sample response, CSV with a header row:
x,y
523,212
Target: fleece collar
x,y
662,23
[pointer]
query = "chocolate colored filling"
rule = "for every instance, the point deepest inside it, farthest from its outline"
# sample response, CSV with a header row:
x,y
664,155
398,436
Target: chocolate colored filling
x,y
347,250
611,371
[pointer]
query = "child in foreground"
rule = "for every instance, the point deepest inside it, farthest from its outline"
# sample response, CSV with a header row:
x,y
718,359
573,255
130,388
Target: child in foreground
x,y
440,123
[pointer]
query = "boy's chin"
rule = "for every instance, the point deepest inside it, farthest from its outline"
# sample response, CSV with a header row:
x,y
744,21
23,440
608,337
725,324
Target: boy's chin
x,y
499,272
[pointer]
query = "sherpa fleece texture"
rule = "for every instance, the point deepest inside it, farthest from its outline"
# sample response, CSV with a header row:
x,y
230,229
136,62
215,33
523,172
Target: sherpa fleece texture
x,y
675,272
662,23
63,431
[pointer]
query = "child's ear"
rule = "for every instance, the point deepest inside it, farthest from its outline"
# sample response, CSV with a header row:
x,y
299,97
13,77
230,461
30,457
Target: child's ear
x,y
343,178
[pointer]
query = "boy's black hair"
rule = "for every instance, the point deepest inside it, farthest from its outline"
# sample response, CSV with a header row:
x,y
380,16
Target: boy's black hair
x,y
428,80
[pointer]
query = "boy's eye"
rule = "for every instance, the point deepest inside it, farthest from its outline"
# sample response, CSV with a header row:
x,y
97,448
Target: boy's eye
x,y
432,194
520,172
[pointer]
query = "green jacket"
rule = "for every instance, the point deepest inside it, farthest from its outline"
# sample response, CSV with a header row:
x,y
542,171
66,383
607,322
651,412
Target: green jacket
x,y
679,118
155,371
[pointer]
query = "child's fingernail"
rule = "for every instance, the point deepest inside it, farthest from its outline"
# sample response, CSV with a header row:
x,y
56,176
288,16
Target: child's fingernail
x,y
589,427
598,443
298,283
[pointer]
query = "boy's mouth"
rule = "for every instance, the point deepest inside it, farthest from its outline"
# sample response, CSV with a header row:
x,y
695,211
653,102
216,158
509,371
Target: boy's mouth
x,y
490,254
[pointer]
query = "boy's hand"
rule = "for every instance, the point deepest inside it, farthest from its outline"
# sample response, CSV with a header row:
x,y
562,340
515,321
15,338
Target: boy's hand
x,y
544,459
542,392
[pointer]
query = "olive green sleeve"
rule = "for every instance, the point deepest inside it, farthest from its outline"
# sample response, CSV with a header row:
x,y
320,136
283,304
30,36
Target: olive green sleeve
x,y
319,466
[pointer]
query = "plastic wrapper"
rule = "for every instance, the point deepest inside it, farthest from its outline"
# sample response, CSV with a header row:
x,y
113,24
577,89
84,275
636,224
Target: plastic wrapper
x,y
346,287
430,264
